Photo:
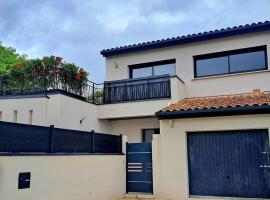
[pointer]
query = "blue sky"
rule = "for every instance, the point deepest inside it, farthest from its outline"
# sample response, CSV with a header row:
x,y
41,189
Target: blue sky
x,y
78,29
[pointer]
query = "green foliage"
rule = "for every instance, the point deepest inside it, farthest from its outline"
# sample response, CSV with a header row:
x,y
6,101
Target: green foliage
x,y
97,96
9,58
49,72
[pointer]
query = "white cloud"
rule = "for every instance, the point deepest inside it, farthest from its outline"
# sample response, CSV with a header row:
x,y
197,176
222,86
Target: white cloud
x,y
78,30
168,18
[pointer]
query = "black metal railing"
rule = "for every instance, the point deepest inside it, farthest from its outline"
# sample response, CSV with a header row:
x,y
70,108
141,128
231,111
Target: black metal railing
x,y
137,89
58,81
110,92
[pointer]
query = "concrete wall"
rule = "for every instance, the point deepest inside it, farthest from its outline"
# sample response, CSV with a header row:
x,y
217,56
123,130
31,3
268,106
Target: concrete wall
x,y
170,158
73,110
131,109
38,105
132,128
66,112
87,177
226,84
59,110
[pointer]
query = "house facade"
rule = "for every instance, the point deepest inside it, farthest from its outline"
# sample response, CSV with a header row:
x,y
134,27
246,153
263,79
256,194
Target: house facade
x,y
202,100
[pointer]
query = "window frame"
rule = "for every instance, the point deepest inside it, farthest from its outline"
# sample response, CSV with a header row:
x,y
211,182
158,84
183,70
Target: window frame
x,y
156,131
150,64
228,54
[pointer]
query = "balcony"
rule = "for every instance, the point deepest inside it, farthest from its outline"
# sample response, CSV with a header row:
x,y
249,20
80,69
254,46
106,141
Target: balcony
x,y
128,98
139,98
137,89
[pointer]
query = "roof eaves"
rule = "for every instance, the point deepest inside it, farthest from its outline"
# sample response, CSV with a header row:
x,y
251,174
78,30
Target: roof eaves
x,y
239,30
228,111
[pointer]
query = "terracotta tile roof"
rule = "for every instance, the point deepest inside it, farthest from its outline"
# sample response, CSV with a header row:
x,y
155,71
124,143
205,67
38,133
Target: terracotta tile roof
x,y
256,98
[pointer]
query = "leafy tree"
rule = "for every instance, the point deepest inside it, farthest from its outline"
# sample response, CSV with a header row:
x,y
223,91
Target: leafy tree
x,y
50,72
9,58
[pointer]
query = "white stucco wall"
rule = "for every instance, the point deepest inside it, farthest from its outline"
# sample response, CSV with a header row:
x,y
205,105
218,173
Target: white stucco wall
x,y
73,110
59,110
170,158
229,84
86,177
38,105
134,109
66,112
132,128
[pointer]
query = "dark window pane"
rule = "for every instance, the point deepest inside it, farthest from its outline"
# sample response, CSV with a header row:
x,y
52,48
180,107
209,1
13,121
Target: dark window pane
x,y
141,72
247,61
212,66
148,136
164,69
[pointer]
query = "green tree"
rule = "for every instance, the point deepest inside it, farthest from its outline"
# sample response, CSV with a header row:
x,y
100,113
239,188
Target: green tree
x,y
51,72
9,58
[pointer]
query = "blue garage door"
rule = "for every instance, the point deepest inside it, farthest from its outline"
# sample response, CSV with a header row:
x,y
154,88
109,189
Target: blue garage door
x,y
229,164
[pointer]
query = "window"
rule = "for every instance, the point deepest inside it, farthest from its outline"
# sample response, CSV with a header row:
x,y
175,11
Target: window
x,y
15,116
147,134
229,62
142,72
153,69
30,116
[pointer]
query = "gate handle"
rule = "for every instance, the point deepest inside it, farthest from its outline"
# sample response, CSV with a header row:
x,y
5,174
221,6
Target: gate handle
x,y
265,166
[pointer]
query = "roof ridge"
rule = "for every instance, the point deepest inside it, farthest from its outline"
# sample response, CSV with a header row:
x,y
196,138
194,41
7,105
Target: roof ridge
x,y
226,95
119,50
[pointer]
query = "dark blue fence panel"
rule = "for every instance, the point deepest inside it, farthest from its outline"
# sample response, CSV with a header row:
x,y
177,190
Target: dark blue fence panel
x,y
17,138
229,164
139,147
104,143
23,138
64,140
139,168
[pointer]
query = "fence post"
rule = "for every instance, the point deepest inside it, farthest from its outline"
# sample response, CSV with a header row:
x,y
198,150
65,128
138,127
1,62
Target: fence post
x,y
121,144
148,89
93,85
51,136
125,91
124,144
93,141
2,84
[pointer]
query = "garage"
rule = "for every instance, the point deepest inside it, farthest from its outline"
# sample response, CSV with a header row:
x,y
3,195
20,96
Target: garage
x,y
229,163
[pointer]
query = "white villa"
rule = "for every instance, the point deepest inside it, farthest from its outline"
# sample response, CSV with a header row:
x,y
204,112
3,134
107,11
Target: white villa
x,y
201,100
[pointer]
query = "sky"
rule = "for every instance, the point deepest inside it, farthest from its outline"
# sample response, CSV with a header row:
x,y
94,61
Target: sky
x,y
78,30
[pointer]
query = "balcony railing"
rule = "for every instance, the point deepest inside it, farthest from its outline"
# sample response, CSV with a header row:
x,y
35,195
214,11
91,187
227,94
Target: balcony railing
x,y
109,92
137,89
57,82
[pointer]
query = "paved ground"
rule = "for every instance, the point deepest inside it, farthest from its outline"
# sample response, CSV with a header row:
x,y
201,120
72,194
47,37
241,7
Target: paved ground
x,y
141,196
132,198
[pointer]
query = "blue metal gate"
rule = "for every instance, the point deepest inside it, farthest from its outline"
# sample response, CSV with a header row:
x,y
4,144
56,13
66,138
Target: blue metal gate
x,y
229,164
139,168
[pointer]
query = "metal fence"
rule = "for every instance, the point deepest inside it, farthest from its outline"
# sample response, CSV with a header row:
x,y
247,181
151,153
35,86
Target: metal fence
x,y
137,89
22,138
110,92
90,91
